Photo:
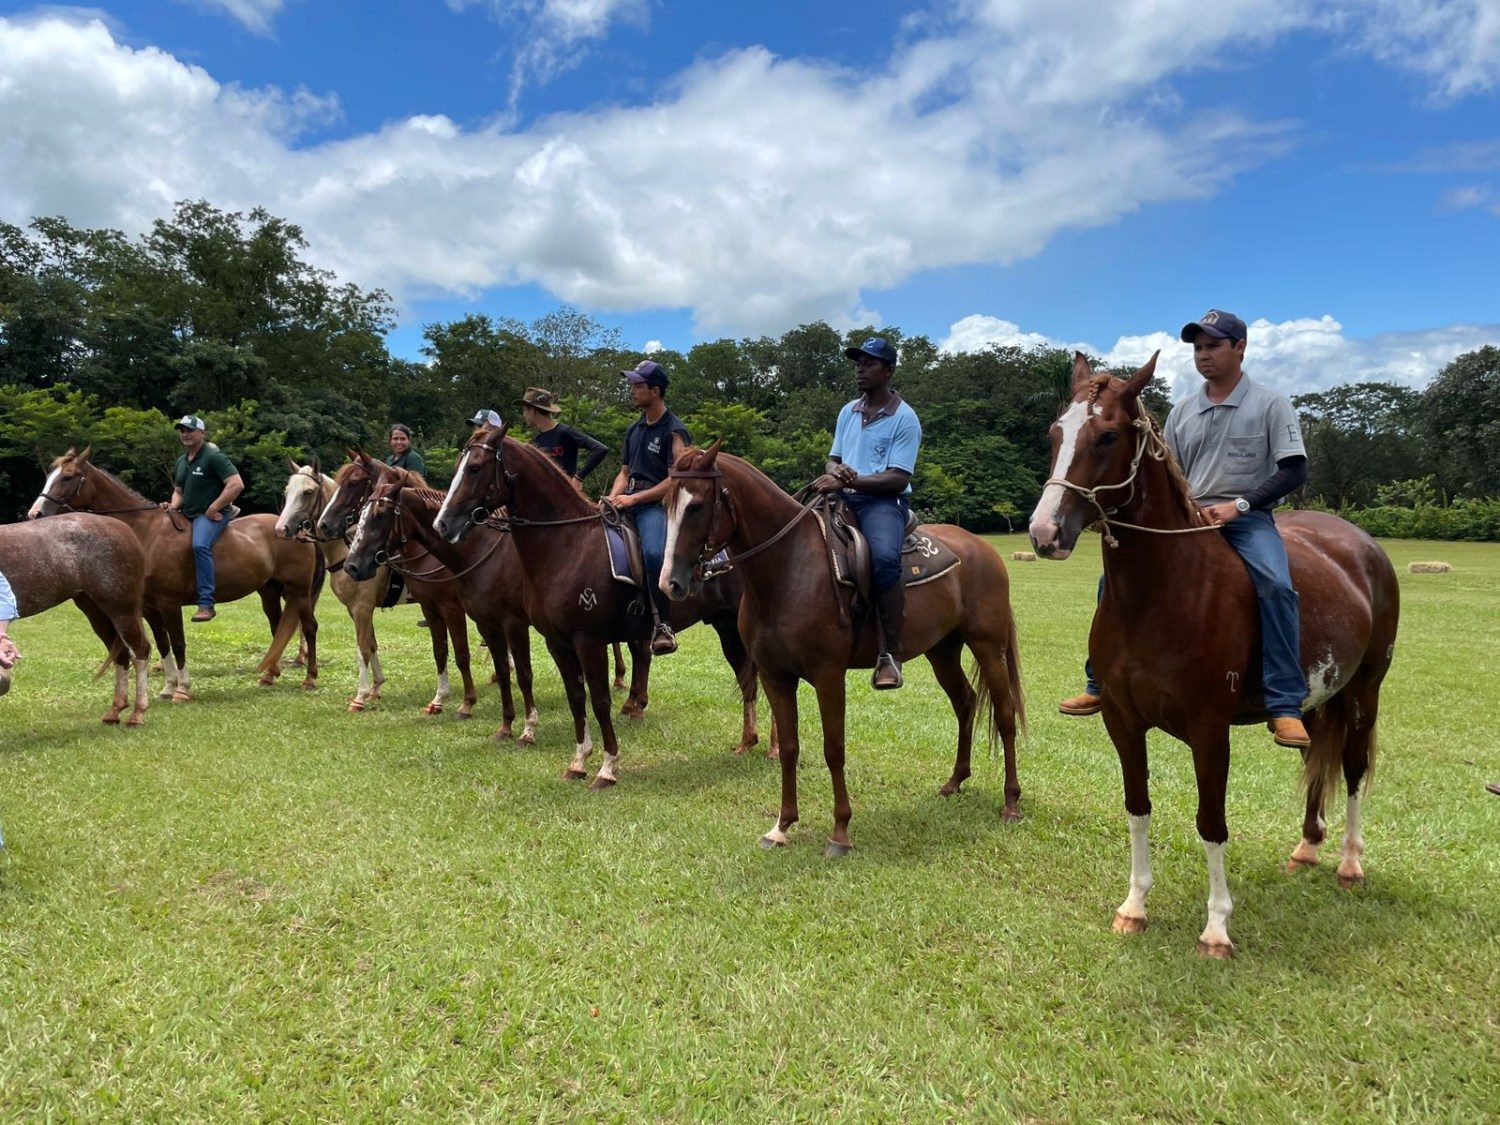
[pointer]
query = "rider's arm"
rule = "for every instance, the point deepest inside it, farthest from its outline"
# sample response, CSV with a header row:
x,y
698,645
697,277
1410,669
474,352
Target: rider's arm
x,y
891,482
176,502
233,486
1291,473
622,482
596,452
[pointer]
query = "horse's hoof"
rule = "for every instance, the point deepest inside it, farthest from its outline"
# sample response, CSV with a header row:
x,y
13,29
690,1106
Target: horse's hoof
x,y
1010,814
462,714
136,721
774,753
298,662
164,694
768,843
1219,950
526,739
502,735
834,849
182,697
601,782
1295,865
572,774
1124,924
949,788
619,685
1349,882
309,685
111,720
266,681
433,709
355,706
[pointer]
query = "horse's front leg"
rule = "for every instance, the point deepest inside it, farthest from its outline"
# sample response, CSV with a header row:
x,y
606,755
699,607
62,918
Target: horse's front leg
x,y
1211,765
571,671
830,691
782,693
595,660
439,634
634,706
1130,745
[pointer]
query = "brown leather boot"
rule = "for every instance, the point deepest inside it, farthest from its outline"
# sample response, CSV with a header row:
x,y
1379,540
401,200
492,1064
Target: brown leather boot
x,y
663,641
1084,703
205,613
1289,731
891,606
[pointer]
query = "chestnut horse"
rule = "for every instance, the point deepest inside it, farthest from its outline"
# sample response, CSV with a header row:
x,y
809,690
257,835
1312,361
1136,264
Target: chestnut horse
x,y
249,557
1176,637
99,564
571,596
395,529
796,629
356,480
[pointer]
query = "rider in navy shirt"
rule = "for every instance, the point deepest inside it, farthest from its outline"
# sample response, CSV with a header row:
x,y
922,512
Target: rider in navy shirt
x,y
652,444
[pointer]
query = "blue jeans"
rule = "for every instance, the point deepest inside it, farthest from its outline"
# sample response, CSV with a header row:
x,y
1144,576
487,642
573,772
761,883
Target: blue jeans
x,y
206,533
651,526
883,520
1255,539
9,611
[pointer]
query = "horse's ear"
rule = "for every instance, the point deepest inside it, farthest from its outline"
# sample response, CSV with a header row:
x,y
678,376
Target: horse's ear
x,y
84,456
711,454
1137,382
292,461
504,429
1082,372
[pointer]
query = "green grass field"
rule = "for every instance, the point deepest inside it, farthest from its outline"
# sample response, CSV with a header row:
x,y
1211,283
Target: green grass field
x,y
261,906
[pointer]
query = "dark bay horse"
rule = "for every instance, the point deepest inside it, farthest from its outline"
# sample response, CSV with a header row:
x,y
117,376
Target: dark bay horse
x,y
99,564
395,529
571,597
1176,638
249,558
796,630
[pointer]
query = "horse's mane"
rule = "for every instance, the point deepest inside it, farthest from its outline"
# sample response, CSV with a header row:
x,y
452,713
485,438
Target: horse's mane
x,y
426,495
109,476
407,478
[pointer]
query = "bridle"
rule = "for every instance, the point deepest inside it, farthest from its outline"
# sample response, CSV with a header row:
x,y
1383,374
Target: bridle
x,y
705,568
83,476
1148,441
398,561
307,528
504,485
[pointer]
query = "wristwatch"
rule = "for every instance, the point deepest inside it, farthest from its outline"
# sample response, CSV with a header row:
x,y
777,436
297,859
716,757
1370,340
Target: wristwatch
x,y
1241,505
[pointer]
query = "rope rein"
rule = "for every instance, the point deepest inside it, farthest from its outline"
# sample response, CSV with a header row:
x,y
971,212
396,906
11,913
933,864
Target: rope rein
x,y
1148,441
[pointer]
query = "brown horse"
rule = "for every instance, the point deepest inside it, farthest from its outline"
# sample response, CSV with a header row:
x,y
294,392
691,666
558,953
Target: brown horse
x,y
395,529
356,480
249,557
793,622
1176,639
99,564
571,597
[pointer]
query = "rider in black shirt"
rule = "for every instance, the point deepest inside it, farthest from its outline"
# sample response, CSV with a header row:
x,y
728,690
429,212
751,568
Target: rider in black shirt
x,y
539,410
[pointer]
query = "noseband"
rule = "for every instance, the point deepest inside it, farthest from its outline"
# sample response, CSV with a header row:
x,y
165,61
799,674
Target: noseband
x,y
701,569
64,502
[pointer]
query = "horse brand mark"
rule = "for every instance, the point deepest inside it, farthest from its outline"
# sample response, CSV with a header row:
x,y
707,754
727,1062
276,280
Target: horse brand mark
x,y
1234,680
588,599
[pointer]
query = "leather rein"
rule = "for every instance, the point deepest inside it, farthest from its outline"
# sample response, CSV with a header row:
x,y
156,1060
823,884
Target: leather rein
x,y
398,561
705,569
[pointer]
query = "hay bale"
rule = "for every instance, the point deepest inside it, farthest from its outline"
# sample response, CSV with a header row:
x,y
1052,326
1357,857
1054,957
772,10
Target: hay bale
x,y
1023,556
1428,568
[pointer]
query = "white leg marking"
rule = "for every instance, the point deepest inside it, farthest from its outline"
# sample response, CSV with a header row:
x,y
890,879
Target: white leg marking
x,y
364,678
142,686
1219,905
1354,842
1134,906
1071,422
528,732
607,767
122,685
169,667
444,689
458,475
582,751
776,835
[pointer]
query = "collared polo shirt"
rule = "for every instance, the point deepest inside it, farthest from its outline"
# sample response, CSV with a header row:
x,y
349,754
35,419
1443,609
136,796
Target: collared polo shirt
x,y
888,439
1228,448
202,478
411,461
647,452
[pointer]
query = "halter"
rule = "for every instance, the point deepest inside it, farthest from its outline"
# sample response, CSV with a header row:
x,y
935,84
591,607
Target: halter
x,y
1148,440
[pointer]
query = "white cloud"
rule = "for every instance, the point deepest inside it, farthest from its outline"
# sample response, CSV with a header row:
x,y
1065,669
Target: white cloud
x,y
734,194
1454,45
554,33
1294,356
652,347
257,15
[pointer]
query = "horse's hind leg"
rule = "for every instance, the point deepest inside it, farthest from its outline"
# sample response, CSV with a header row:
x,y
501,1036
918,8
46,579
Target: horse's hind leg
x,y
105,630
458,628
306,607
946,658
518,642
495,639
634,706
1326,728
733,647
439,634
996,694
619,684
1358,757
831,694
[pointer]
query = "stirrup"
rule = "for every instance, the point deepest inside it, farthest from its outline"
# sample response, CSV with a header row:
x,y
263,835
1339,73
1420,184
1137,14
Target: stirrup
x,y
663,641
887,673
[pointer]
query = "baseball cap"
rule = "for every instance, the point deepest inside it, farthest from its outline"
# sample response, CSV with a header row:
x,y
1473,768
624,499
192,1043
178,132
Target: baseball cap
x,y
539,399
485,418
649,372
190,422
1217,323
876,347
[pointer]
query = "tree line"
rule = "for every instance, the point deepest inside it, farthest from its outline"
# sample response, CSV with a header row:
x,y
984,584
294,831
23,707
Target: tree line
x,y
105,338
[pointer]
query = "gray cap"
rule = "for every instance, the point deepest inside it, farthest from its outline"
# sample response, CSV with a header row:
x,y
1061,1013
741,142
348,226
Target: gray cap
x,y
485,418
190,422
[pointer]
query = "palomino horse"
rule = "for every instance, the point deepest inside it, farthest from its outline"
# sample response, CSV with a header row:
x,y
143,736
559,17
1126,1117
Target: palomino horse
x,y
1176,640
571,597
356,480
395,529
796,629
99,564
249,557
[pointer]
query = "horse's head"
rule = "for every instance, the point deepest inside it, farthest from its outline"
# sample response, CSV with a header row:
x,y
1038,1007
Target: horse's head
x,y
376,531
1094,446
700,519
480,484
299,502
351,489
67,485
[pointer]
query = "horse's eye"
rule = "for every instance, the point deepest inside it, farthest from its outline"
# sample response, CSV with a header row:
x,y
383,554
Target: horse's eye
x,y
1109,437
471,468
694,506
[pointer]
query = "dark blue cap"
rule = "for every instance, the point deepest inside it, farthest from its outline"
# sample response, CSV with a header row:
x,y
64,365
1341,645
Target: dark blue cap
x,y
1217,323
648,372
876,347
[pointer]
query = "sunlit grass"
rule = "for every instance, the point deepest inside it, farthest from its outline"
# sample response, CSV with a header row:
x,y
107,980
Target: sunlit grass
x,y
262,906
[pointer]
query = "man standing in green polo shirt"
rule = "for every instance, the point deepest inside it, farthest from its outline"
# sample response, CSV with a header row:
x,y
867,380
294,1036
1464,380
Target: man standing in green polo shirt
x,y
204,485
402,455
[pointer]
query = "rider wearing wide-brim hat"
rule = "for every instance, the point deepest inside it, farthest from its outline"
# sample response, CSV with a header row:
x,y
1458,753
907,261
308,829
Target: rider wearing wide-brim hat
x,y
560,441
204,486
875,445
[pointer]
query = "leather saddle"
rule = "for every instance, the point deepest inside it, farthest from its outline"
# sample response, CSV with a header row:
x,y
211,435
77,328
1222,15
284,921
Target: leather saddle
x,y
924,557
626,563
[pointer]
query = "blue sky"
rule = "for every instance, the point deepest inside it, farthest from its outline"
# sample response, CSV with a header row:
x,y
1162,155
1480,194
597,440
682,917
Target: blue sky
x,y
1079,172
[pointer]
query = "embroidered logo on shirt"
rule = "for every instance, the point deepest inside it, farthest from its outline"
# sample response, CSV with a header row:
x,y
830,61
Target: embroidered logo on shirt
x,y
654,445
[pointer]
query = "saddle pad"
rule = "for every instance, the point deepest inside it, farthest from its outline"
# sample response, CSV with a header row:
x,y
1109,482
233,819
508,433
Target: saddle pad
x,y
619,556
923,557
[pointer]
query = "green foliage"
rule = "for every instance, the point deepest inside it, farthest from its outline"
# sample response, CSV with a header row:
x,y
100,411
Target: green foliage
x,y
258,452
1472,520
1460,420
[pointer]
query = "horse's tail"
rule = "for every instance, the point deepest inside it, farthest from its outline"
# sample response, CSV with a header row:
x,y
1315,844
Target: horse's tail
x,y
117,649
1324,762
320,570
984,701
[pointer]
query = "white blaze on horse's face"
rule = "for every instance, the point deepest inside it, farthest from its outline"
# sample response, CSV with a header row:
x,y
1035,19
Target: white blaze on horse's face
x,y
1044,522
38,506
442,514
359,528
298,486
676,508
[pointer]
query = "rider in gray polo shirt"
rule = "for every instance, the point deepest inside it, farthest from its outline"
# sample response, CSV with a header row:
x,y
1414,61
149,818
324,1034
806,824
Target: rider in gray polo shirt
x,y
1241,446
